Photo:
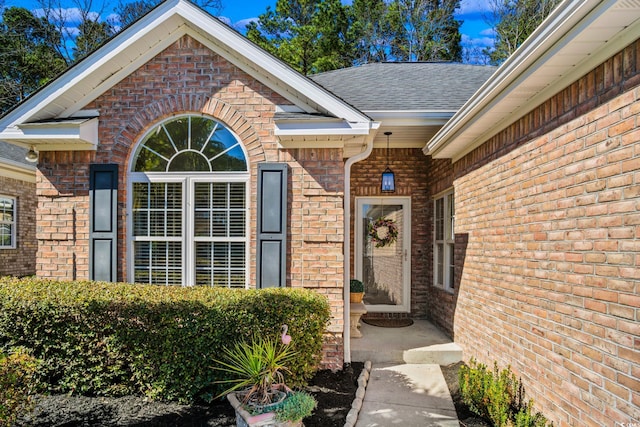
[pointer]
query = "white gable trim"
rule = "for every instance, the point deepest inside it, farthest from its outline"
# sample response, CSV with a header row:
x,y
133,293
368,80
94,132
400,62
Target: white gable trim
x,y
153,33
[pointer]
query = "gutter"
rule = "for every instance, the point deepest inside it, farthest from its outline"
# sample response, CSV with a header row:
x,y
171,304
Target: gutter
x,y
346,332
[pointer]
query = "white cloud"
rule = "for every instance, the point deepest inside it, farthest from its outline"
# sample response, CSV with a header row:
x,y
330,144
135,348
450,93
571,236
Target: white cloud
x,y
71,15
225,19
480,42
489,32
241,25
474,7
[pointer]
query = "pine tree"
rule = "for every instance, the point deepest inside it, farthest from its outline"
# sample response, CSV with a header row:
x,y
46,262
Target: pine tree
x,y
310,35
370,31
28,55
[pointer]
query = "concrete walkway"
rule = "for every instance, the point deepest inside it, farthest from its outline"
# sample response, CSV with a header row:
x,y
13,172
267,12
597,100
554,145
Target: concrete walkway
x,y
407,395
406,386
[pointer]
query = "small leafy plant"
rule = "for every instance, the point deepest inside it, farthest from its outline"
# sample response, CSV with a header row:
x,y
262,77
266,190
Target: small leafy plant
x,y
356,285
298,405
497,396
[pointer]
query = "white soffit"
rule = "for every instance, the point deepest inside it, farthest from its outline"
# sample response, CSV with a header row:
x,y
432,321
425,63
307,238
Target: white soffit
x,y
575,38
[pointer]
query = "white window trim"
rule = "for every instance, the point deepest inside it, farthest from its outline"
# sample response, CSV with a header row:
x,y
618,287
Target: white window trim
x,y
13,224
448,242
187,179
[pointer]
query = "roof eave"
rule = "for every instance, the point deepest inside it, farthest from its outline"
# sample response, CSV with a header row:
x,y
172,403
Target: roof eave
x,y
14,170
292,128
564,24
72,135
411,117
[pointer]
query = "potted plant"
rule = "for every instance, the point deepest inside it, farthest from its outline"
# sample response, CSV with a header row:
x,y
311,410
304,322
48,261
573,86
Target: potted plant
x,y
258,392
356,289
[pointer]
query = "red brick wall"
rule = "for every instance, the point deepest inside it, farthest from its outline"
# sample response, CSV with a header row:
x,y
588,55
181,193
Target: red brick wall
x,y
21,260
550,275
410,169
441,301
316,231
189,78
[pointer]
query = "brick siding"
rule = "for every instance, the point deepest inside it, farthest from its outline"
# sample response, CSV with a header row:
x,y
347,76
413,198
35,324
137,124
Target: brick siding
x,y
548,269
21,260
410,168
189,78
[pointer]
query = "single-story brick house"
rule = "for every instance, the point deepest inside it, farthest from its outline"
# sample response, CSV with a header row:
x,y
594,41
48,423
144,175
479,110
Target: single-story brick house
x,y
17,212
181,153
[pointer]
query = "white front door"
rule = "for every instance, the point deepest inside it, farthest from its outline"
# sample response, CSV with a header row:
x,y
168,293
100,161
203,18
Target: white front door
x,y
383,252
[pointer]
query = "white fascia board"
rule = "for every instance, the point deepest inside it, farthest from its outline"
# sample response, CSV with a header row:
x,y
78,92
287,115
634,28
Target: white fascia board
x,y
48,136
411,117
15,170
320,128
284,77
530,56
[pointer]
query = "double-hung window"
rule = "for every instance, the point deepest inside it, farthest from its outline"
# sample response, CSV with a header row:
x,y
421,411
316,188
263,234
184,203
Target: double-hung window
x,y
443,244
7,222
189,206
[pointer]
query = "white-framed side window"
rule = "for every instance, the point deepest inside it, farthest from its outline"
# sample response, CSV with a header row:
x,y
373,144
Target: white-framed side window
x,y
8,206
443,241
188,217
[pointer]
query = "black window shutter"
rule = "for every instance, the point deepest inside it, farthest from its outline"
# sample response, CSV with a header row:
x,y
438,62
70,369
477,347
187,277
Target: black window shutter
x,y
103,222
272,225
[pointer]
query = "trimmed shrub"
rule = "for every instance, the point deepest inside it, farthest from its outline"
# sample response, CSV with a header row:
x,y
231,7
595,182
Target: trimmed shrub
x,y
158,341
497,396
16,372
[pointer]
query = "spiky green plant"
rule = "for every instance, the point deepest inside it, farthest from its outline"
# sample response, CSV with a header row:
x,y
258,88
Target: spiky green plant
x,y
256,367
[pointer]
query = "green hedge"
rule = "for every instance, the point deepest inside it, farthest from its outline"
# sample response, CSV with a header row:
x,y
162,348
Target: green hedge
x,y
16,385
158,341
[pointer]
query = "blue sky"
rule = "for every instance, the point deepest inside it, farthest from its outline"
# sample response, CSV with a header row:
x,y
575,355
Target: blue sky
x,y
237,13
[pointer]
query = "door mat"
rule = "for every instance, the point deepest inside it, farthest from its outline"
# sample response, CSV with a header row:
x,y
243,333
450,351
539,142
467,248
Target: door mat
x,y
388,323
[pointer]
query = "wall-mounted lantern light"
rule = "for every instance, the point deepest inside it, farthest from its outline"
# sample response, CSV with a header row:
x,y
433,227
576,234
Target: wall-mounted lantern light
x,y
388,178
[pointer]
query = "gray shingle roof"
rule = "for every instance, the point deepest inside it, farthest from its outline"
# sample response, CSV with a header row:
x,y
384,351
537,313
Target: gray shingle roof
x,y
14,153
406,85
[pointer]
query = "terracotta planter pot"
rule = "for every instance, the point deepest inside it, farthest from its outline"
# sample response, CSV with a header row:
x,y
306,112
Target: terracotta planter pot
x,y
356,296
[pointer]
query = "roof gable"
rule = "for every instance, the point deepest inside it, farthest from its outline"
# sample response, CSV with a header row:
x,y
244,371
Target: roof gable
x,y
64,97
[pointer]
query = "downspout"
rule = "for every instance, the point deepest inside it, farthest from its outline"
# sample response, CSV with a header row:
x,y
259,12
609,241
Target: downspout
x,y
346,333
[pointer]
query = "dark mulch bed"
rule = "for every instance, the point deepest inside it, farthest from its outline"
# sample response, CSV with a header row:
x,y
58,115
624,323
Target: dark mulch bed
x,y
334,391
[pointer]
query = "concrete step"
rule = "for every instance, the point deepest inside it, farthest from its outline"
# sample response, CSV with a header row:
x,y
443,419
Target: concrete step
x,y
420,343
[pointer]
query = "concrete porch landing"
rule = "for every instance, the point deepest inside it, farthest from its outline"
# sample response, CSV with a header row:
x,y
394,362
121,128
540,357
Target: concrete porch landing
x,y
420,343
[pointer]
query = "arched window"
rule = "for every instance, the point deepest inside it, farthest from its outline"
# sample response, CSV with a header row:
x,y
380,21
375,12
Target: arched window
x,y
190,144
188,206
